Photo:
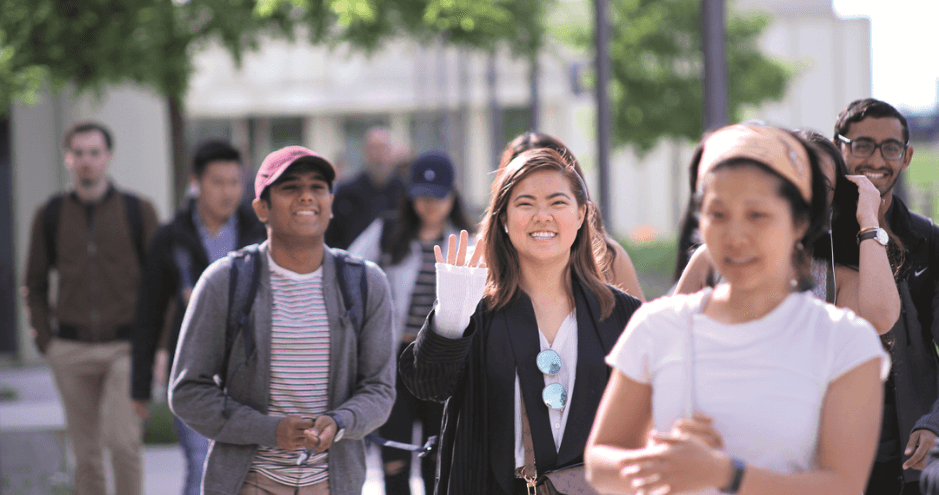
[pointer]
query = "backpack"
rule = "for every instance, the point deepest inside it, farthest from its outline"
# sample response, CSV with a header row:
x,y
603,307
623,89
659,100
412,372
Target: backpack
x,y
244,278
50,225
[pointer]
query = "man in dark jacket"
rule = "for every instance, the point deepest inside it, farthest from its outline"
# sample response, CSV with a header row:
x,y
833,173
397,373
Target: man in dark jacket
x,y
874,140
374,191
213,223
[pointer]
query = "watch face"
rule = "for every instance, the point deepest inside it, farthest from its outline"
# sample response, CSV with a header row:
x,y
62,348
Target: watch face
x,y
882,237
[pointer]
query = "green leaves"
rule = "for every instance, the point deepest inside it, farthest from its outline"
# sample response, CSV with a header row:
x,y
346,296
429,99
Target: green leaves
x,y
657,69
365,24
95,43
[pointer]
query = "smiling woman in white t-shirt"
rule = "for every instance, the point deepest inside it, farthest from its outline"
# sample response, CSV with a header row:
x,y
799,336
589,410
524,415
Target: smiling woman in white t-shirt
x,y
754,387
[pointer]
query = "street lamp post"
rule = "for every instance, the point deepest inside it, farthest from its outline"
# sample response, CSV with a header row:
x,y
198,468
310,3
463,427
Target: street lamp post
x,y
713,34
604,120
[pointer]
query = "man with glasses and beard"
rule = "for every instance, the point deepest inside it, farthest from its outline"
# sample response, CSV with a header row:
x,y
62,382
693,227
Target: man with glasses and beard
x,y
874,140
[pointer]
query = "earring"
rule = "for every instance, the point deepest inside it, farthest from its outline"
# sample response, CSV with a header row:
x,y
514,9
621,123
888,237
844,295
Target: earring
x,y
506,227
800,246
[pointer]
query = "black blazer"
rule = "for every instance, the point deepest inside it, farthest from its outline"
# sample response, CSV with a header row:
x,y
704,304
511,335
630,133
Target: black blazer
x,y
475,375
915,367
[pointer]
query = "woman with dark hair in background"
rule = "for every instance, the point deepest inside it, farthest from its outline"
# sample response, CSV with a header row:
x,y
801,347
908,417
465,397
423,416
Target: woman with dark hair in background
x,y
519,343
404,248
615,264
865,286
754,386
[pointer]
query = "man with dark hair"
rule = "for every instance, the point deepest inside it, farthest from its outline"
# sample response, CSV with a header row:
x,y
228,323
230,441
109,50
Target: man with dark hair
x,y
95,238
85,128
212,224
874,140
287,395
374,191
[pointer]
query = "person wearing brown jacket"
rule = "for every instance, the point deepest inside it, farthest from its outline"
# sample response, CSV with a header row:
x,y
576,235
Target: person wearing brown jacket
x,y
95,238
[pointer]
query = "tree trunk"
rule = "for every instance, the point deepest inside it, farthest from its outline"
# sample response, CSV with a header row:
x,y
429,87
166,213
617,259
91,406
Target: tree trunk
x,y
178,143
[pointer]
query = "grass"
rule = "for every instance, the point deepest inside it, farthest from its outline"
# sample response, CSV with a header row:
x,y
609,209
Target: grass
x,y
159,428
922,180
655,264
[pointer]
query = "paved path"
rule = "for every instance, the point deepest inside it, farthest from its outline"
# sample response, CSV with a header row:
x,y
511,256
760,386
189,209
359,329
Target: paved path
x,y
34,459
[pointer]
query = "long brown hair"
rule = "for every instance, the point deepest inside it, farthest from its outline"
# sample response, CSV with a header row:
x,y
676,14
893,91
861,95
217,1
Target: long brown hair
x,y
534,140
501,256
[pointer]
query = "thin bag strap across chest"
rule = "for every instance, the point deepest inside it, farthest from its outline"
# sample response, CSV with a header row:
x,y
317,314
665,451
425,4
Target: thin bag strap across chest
x,y
528,472
690,358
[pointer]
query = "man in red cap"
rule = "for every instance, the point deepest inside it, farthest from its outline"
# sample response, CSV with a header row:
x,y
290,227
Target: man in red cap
x,y
287,401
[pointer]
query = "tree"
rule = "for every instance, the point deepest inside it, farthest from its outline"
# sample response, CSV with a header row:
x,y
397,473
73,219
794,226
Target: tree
x,y
657,78
92,44
95,43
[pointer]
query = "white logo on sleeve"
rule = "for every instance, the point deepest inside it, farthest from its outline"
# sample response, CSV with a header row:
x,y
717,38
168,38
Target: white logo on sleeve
x,y
920,272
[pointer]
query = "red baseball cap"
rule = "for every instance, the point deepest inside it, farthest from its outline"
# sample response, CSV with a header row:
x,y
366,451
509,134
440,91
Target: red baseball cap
x,y
279,161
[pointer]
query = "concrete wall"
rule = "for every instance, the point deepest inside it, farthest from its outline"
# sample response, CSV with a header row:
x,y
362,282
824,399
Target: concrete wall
x,y
139,125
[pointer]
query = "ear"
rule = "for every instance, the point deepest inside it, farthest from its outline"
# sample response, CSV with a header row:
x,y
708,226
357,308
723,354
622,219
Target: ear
x,y
260,209
581,214
907,158
801,227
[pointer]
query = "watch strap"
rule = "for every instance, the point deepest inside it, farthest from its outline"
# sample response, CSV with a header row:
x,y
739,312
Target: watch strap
x,y
872,233
737,478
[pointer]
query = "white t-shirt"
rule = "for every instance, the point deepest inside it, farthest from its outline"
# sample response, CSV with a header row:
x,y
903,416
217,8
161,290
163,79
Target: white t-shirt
x,y
763,381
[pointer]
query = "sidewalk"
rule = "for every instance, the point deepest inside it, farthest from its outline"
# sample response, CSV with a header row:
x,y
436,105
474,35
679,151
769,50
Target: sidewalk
x,y
34,458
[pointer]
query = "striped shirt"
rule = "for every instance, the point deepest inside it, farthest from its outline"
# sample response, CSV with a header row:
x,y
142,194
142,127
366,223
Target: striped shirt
x,y
425,290
299,370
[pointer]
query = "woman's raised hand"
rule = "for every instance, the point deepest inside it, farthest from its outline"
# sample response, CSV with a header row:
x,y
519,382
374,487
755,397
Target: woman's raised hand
x,y
456,251
868,201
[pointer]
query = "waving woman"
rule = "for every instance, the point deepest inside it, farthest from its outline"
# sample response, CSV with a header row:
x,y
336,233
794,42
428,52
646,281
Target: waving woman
x,y
541,295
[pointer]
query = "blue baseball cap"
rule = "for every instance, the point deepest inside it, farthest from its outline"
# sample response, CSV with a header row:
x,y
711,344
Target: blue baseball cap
x,y
431,175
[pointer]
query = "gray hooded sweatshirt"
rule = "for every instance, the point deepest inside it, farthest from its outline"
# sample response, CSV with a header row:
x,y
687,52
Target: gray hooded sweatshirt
x,y
361,376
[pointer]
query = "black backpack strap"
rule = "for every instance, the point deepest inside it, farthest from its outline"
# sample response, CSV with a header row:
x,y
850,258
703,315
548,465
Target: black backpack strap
x,y
349,269
135,218
50,226
244,278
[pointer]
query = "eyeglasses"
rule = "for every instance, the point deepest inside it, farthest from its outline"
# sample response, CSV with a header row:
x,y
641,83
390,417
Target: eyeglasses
x,y
553,395
890,149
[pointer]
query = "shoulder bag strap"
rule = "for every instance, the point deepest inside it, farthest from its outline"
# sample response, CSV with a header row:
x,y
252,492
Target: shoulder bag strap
x,y
689,361
50,227
528,472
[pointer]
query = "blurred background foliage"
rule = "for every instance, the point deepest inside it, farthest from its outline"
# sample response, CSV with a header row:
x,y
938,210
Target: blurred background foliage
x,y
656,84
658,68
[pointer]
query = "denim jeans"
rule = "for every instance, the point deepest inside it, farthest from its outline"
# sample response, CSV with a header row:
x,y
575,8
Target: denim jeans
x,y
195,447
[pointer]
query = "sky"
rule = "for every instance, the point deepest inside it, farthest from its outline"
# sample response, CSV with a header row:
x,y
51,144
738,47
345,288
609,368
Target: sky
x,y
904,43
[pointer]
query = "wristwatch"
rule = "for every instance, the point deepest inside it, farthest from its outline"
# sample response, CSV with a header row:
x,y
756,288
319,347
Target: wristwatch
x,y
737,477
876,233
340,428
